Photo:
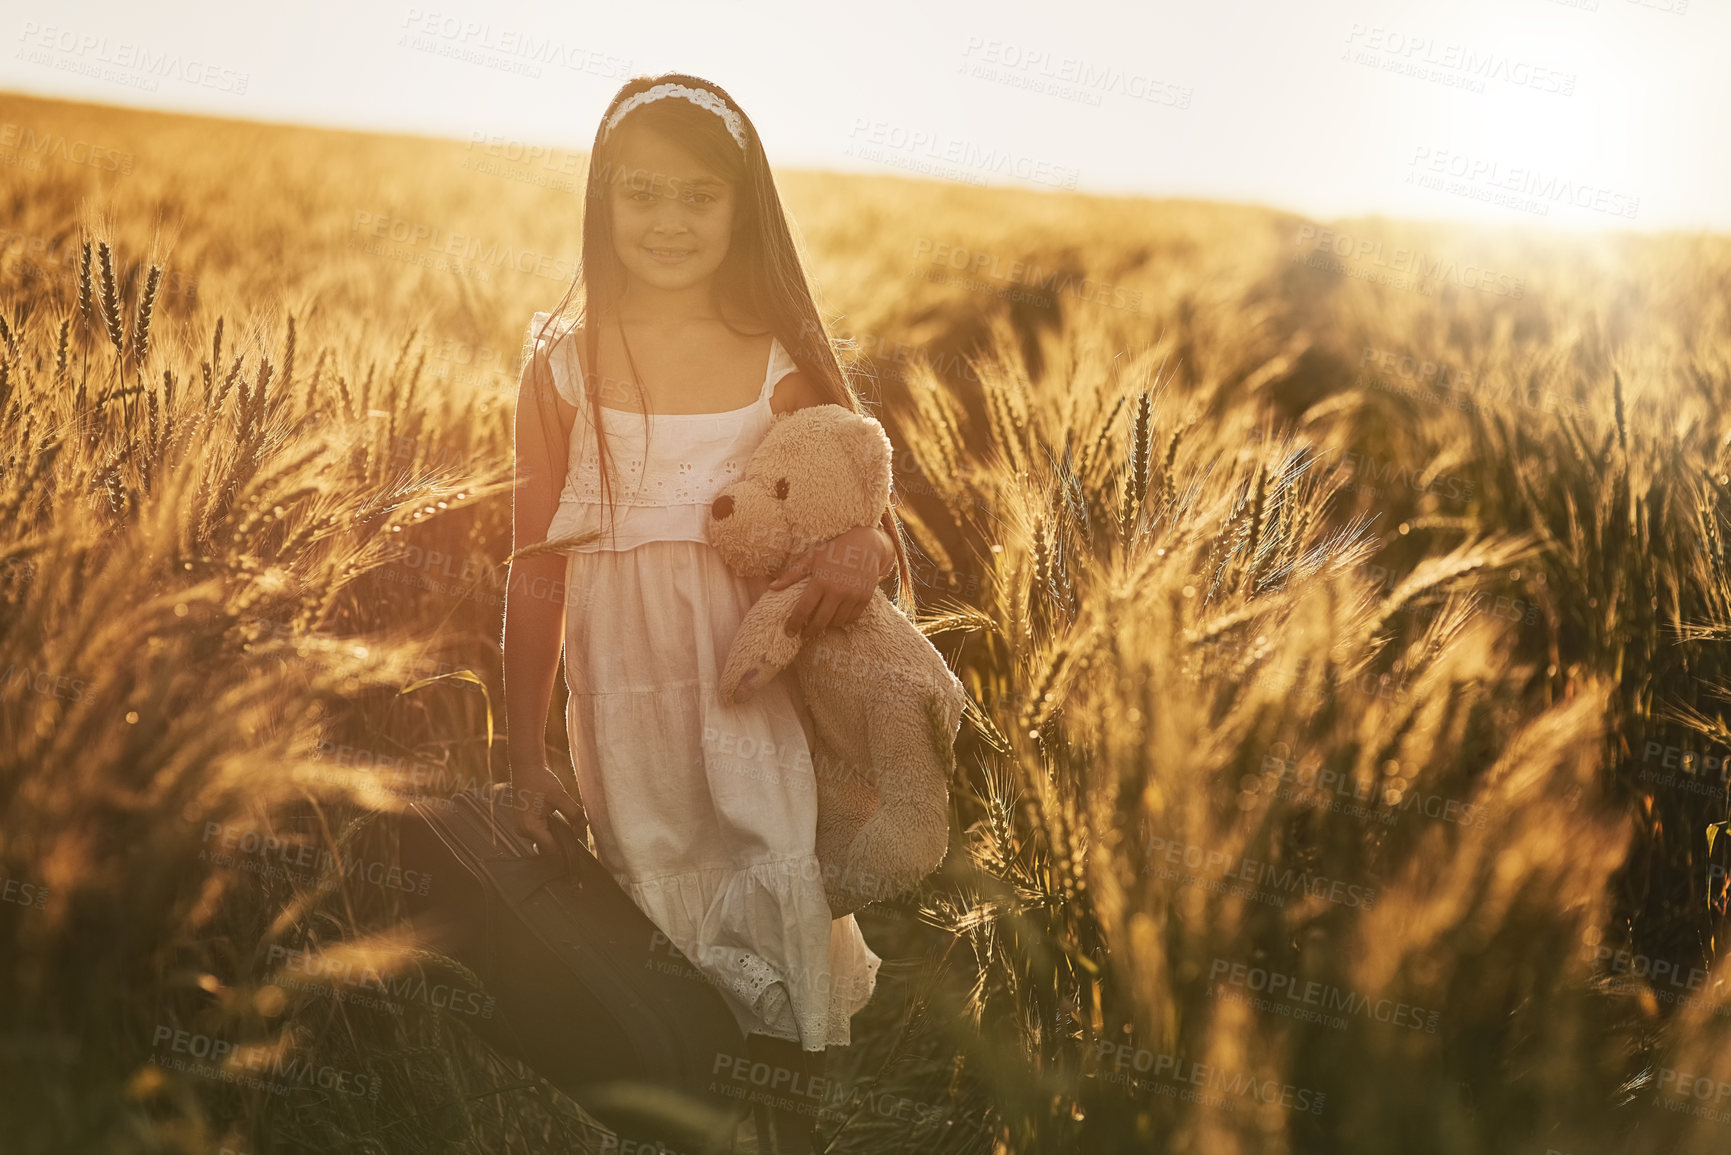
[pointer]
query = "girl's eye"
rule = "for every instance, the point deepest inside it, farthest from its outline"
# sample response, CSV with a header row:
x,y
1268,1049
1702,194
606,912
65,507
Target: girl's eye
x,y
781,490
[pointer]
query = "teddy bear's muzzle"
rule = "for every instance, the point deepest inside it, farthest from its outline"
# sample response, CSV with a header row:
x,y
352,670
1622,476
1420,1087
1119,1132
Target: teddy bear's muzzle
x,y
722,508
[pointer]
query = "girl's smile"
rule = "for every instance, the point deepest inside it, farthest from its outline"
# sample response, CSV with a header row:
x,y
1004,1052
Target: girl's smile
x,y
672,216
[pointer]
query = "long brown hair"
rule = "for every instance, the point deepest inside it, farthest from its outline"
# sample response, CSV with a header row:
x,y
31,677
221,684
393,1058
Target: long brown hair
x,y
761,278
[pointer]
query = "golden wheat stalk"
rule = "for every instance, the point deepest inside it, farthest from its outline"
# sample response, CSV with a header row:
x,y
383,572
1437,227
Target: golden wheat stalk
x,y
86,313
1435,573
312,402
1141,437
552,546
1042,555
228,381
154,432
110,298
1006,430
61,349
1253,535
949,616
348,401
1093,450
139,346
923,538
214,366
288,359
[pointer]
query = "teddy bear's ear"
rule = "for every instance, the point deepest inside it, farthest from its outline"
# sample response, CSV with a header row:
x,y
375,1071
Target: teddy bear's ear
x,y
873,454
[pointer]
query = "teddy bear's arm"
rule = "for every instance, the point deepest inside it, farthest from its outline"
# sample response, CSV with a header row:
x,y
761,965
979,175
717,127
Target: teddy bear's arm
x,y
761,647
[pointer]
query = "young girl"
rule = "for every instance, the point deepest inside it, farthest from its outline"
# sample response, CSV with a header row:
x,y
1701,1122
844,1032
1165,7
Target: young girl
x,y
696,327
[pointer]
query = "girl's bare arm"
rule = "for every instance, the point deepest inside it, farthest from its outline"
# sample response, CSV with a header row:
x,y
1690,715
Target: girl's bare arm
x,y
535,601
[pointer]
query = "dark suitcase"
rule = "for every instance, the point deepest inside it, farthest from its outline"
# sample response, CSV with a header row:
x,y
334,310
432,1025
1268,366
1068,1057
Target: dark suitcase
x,y
588,991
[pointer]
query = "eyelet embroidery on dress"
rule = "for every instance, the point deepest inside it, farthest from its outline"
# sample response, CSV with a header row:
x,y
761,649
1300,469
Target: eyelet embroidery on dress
x,y
676,474
839,1027
758,974
775,1008
755,978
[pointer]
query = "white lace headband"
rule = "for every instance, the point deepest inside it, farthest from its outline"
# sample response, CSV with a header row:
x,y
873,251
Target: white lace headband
x,y
701,97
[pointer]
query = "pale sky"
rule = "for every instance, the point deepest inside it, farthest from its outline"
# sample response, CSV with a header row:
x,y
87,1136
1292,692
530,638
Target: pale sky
x,y
1577,114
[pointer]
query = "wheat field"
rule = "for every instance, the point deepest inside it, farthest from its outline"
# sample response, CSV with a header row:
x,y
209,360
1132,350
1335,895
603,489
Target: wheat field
x,y
1344,607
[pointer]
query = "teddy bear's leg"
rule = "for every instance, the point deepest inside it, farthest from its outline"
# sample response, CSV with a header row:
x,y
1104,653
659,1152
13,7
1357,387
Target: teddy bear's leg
x,y
896,848
761,648
907,836
847,797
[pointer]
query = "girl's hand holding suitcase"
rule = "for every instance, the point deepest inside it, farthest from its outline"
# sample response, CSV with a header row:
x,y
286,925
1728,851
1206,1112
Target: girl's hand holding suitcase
x,y
546,795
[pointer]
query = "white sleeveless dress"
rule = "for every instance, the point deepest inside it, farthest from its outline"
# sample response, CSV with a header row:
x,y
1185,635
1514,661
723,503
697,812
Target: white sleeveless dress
x,y
705,813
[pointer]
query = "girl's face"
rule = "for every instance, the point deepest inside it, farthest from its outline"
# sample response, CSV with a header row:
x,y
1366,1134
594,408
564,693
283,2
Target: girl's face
x,y
672,217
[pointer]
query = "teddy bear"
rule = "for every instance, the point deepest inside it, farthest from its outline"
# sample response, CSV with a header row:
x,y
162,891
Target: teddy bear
x,y
884,706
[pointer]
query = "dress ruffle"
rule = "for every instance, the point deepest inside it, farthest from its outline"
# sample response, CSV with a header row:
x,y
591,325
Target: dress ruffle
x,y
820,971
629,526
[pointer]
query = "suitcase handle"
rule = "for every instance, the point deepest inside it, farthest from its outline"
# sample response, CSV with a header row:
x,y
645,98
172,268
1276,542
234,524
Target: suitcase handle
x,y
567,846
565,841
